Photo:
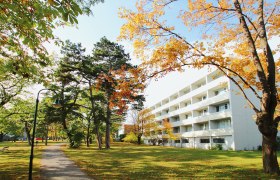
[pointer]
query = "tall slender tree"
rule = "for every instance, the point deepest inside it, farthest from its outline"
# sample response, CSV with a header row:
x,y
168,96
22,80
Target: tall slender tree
x,y
116,79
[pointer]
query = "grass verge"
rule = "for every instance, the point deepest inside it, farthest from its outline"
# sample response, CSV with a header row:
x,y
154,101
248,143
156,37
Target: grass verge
x,y
14,163
127,161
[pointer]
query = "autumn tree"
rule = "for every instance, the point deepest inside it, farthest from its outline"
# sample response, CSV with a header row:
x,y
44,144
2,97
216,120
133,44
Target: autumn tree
x,y
167,131
118,79
235,40
143,122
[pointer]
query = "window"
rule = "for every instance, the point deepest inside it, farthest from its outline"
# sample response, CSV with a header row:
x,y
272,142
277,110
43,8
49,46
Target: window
x,y
217,108
185,141
177,118
203,97
222,124
203,126
188,128
204,141
216,93
218,140
186,116
204,111
226,106
176,130
177,141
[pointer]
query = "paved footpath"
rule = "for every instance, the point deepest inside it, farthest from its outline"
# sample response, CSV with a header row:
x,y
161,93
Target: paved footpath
x,y
56,166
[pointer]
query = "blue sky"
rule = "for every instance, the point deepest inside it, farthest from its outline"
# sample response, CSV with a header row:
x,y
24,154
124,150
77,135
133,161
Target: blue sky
x,y
105,22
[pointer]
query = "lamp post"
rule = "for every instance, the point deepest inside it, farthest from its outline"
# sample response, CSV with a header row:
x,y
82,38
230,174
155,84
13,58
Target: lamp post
x,y
34,128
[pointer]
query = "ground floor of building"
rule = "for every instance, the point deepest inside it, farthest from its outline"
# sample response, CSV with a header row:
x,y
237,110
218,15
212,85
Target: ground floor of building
x,y
205,142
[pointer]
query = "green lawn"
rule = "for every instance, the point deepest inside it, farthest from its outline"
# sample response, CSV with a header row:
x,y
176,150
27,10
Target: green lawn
x,y
14,162
126,161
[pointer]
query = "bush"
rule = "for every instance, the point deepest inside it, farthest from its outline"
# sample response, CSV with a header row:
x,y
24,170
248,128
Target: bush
x,y
131,137
217,147
77,139
122,136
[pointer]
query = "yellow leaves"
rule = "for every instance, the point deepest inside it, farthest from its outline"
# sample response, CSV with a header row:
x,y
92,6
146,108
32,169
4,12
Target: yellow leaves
x,y
162,49
190,3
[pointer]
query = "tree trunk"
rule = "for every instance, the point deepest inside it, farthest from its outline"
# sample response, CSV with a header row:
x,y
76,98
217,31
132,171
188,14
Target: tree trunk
x,y
27,131
98,137
69,135
269,153
46,136
139,139
268,127
107,136
108,126
1,136
88,132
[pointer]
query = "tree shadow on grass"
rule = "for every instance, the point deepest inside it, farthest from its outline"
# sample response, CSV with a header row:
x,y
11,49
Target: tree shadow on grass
x,y
154,162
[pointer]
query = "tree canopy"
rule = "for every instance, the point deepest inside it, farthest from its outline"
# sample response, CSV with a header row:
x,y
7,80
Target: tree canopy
x,y
235,40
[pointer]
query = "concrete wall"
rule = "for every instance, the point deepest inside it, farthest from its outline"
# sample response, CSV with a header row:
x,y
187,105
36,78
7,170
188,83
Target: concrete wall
x,y
245,131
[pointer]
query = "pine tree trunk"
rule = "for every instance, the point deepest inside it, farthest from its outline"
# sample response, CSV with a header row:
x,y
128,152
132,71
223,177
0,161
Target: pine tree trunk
x,y
107,136
88,132
46,136
269,153
139,139
27,131
98,137
108,127
1,136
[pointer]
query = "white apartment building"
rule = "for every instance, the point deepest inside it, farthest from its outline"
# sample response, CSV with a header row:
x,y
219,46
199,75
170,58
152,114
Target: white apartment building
x,y
207,112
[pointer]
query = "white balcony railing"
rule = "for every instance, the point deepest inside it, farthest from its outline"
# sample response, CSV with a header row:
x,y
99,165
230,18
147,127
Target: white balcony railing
x,y
210,132
192,93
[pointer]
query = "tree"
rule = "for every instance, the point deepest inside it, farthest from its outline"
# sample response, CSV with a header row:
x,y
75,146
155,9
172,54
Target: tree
x,y
25,26
68,92
118,79
143,123
84,68
235,41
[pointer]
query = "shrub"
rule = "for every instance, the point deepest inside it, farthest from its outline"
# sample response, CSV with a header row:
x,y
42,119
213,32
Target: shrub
x,y
77,139
131,137
217,147
122,136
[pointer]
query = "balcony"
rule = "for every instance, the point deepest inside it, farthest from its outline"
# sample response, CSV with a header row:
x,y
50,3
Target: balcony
x,y
212,116
221,132
208,133
193,93
177,123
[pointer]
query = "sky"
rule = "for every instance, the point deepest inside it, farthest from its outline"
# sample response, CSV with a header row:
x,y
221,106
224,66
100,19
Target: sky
x,y
105,22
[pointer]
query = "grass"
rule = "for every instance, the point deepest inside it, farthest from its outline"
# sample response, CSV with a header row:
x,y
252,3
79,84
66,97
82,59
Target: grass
x,y
127,161
14,163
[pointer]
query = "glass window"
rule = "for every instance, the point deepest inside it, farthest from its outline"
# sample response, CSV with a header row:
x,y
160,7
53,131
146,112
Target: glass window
x,y
226,106
204,141
218,140
177,141
185,141
217,108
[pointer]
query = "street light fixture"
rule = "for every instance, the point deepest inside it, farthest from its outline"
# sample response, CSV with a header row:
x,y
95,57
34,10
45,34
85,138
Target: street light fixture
x,y
55,105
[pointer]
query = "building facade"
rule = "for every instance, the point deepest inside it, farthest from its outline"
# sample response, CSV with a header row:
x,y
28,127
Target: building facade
x,y
208,112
